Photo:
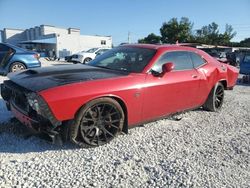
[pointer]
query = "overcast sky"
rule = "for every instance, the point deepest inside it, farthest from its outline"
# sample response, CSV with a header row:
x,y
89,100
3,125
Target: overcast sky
x,y
118,17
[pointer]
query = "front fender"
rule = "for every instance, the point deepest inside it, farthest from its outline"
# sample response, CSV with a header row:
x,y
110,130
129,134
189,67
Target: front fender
x,y
65,101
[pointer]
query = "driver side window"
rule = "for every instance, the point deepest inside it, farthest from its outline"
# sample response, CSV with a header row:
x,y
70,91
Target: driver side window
x,y
180,59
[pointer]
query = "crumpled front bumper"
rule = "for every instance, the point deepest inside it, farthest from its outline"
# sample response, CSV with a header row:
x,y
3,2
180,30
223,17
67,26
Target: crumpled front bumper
x,y
17,102
24,119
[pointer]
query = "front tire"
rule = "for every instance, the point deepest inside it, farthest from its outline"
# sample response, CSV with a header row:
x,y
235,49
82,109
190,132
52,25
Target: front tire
x,y
97,123
17,66
215,98
86,60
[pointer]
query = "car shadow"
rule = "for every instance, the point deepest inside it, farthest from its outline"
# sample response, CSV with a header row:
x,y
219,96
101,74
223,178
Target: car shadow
x,y
16,138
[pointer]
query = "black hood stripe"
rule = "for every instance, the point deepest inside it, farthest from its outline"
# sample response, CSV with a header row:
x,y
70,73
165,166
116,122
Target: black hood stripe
x,y
44,78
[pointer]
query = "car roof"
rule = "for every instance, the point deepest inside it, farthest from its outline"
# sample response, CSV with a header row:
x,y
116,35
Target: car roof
x,y
161,46
17,49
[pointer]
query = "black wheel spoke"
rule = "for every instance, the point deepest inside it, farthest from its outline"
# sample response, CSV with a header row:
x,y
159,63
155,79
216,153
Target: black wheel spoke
x,y
105,136
111,114
220,91
92,114
216,104
110,110
221,95
91,139
102,109
86,128
115,121
109,133
112,125
108,123
87,119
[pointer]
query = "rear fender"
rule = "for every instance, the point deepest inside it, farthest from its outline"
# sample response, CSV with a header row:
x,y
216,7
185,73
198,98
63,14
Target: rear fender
x,y
232,76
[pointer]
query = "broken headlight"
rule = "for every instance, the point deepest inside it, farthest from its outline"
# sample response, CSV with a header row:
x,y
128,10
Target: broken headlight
x,y
32,99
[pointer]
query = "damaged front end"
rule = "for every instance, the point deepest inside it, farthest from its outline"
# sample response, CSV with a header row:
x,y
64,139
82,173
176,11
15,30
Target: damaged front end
x,y
30,109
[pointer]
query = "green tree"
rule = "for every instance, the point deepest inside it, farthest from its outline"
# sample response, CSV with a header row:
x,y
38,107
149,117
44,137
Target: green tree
x,y
174,30
227,35
210,35
245,42
181,31
150,39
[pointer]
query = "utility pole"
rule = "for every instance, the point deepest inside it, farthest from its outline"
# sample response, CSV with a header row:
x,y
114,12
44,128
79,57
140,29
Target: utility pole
x,y
129,37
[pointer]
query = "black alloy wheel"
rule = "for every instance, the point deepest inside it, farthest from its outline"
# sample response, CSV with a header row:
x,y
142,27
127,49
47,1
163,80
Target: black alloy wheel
x,y
219,96
215,98
98,122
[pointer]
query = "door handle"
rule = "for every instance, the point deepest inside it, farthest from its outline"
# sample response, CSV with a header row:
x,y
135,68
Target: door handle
x,y
194,76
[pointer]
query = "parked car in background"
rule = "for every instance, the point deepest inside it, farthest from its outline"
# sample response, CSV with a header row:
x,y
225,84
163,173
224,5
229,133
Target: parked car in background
x,y
68,58
232,59
223,57
13,58
86,56
124,87
245,64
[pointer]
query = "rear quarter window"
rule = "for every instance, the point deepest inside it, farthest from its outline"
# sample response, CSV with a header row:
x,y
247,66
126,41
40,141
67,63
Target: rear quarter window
x,y
197,59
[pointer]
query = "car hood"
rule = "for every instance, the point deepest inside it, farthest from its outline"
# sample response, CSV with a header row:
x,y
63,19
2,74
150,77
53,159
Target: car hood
x,y
44,78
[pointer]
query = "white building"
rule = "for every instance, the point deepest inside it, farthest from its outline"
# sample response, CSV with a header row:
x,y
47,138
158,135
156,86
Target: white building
x,y
45,38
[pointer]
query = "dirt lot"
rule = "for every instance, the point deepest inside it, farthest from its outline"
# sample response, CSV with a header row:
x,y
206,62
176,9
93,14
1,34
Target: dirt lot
x,y
204,149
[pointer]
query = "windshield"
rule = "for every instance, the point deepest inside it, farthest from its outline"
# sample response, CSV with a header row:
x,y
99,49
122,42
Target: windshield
x,y
128,59
92,50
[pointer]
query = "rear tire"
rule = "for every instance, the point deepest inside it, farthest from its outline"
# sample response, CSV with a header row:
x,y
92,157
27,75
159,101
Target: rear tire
x,y
97,123
215,98
17,66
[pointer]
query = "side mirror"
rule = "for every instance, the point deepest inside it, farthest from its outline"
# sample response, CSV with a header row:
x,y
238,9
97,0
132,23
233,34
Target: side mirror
x,y
167,67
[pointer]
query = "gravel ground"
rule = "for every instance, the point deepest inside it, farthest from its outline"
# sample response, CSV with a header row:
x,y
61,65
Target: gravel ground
x,y
204,149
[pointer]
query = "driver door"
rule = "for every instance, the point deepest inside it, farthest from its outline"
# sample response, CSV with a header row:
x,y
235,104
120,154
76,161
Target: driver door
x,y
175,91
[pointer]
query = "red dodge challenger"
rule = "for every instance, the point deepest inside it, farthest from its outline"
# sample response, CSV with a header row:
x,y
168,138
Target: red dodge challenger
x,y
124,87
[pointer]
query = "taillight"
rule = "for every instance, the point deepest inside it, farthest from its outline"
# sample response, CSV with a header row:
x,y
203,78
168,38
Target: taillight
x,y
37,56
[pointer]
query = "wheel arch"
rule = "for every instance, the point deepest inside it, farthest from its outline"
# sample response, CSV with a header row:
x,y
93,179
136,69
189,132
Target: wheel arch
x,y
18,61
224,83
